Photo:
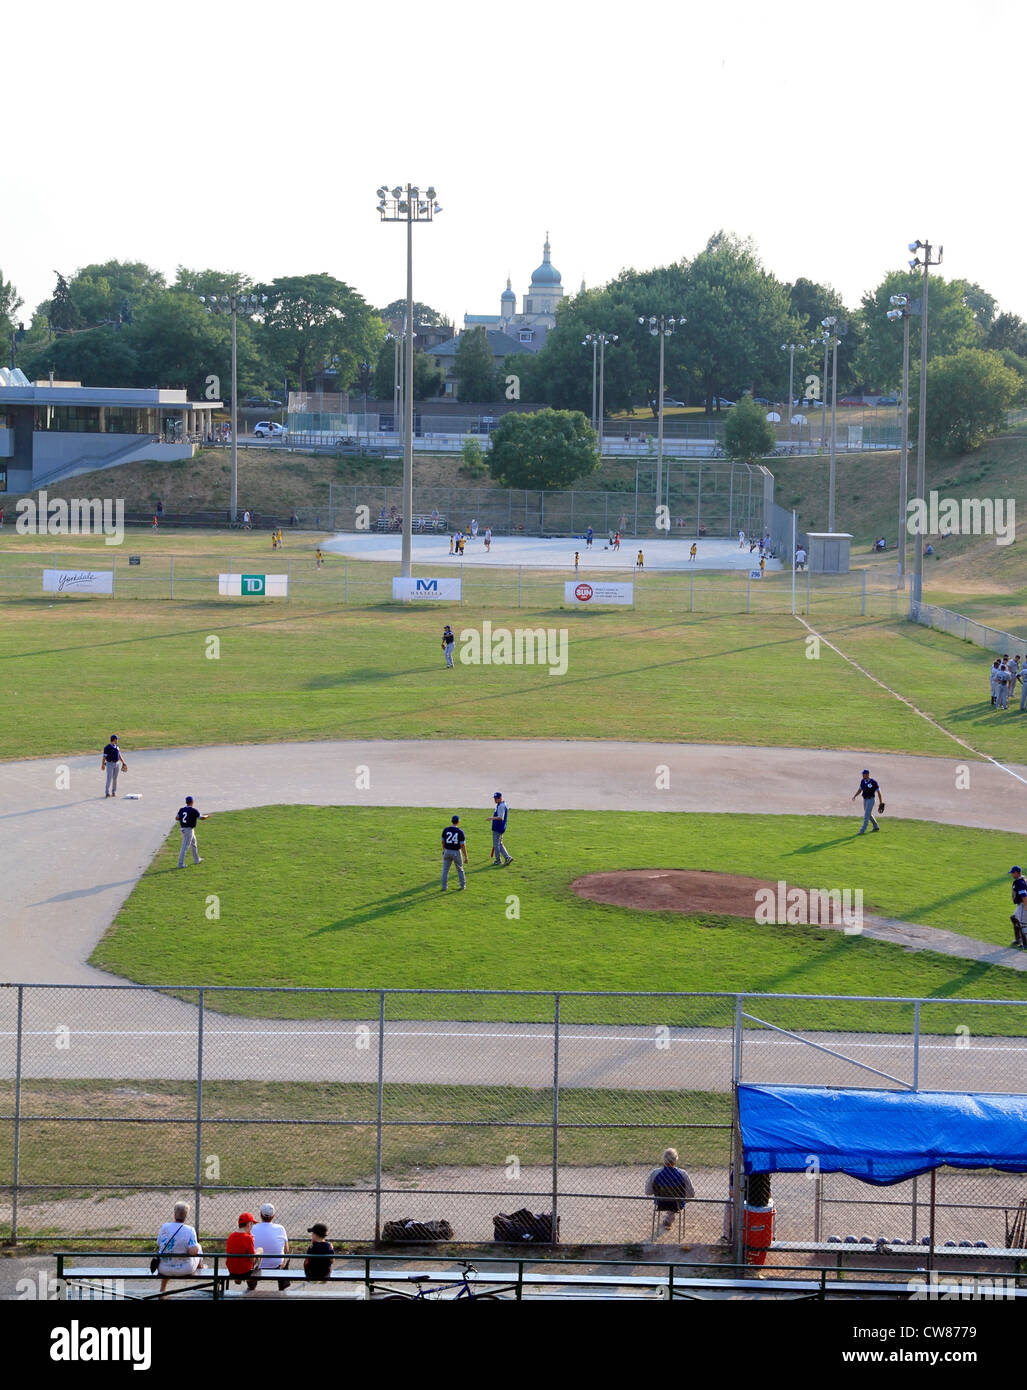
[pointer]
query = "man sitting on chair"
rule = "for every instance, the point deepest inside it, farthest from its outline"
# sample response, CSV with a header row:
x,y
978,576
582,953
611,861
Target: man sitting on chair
x,y
669,1186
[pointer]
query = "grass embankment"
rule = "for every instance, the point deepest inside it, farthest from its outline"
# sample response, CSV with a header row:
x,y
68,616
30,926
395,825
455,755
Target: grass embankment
x,y
371,915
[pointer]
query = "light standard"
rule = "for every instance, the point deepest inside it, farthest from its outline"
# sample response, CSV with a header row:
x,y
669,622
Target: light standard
x,y
917,590
395,339
232,304
791,349
407,205
831,340
661,327
903,308
599,340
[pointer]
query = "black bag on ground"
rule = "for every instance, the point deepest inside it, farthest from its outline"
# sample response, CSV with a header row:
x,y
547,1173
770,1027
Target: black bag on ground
x,y
407,1229
523,1227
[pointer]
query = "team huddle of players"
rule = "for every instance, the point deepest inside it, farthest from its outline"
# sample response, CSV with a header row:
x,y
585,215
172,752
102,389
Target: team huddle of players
x,y
1005,671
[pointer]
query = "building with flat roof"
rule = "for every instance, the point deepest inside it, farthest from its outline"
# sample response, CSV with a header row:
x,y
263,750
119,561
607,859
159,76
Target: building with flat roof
x,y
51,430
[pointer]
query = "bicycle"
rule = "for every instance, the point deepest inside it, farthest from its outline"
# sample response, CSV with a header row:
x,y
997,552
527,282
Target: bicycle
x,y
425,1291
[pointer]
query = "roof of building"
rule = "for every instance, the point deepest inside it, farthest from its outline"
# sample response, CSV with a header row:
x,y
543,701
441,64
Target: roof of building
x,y
502,344
546,273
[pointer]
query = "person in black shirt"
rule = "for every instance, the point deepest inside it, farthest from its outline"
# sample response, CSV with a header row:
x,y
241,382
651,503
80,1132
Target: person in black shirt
x,y
320,1252
1019,916
868,789
448,643
187,816
454,851
113,762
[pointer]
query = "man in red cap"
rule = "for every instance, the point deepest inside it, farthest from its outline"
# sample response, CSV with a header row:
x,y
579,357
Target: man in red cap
x,y
242,1253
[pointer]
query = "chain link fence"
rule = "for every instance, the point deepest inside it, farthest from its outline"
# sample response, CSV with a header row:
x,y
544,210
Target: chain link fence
x,y
968,629
357,1108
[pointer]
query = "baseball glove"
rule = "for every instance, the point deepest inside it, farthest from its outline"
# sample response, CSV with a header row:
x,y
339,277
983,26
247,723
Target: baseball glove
x,y
880,808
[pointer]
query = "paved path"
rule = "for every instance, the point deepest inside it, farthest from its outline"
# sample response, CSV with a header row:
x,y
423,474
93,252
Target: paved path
x,y
78,856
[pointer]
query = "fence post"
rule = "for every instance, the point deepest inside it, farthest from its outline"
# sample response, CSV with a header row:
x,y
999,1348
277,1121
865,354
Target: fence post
x,y
378,1119
114,575
519,569
199,1112
735,1190
17,1114
345,581
172,576
807,590
691,586
288,580
748,591
556,1113
863,602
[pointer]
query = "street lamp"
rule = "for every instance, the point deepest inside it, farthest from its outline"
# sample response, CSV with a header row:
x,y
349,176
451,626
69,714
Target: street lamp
x,y
598,340
902,308
661,327
791,349
408,205
917,590
233,304
831,340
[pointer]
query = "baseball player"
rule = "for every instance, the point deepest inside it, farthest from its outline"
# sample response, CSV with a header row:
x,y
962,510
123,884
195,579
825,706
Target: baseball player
x,y
741,540
868,789
640,562
113,762
499,816
589,534
993,679
488,537
1002,681
448,643
577,559
1023,687
693,552
1019,914
320,558
454,851
187,816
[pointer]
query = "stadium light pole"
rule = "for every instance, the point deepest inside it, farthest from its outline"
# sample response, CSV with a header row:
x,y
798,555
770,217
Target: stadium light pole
x,y
600,341
917,590
902,308
231,304
660,326
791,349
407,205
831,341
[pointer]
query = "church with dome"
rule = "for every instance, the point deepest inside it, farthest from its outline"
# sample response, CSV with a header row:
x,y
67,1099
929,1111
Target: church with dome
x,y
538,312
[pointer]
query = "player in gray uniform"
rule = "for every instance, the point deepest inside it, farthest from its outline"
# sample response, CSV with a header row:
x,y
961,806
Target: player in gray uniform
x,y
112,761
499,816
454,851
1002,680
1019,914
1023,687
187,816
993,678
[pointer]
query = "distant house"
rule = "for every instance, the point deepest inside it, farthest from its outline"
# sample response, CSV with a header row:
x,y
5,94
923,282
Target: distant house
x,y
538,310
503,345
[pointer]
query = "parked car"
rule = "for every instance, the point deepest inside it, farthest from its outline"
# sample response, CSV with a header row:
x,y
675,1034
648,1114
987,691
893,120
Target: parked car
x,y
721,403
667,400
268,429
852,400
762,400
888,400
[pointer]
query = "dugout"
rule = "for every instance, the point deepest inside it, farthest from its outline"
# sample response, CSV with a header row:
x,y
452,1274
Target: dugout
x,y
880,1137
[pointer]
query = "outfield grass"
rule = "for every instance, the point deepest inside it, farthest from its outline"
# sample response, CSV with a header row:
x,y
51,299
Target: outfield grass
x,y
113,1140
316,896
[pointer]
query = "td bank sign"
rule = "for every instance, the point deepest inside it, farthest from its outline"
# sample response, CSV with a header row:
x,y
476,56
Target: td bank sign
x,y
253,585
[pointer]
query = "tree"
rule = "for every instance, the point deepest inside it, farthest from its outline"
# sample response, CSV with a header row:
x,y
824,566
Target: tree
x,y
179,345
112,291
547,450
61,314
1008,332
474,367
10,303
747,433
423,314
950,326
309,319
96,357
211,282
968,394
811,304
428,379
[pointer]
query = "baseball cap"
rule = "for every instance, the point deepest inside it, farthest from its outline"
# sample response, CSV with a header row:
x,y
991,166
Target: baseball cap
x,y
267,1209
866,772
247,1216
456,820
318,1229
497,796
1015,869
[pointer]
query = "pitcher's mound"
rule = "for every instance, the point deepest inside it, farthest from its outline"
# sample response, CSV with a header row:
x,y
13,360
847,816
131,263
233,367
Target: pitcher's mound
x,y
674,890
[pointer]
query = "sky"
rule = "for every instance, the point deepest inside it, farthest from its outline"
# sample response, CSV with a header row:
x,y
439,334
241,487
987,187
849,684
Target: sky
x,y
253,138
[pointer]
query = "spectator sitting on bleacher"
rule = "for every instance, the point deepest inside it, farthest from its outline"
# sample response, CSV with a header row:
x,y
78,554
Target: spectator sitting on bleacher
x,y
242,1253
274,1241
178,1248
320,1254
670,1186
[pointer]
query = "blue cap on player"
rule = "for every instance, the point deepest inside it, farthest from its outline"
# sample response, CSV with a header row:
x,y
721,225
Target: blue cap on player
x,y
455,820
497,796
866,772
1015,869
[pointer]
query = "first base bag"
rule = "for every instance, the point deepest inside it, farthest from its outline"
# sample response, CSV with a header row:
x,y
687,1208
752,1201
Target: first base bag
x,y
408,1230
524,1226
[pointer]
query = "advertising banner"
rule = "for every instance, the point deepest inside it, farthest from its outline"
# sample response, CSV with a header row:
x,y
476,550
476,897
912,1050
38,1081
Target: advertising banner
x,y
78,581
253,585
430,589
596,594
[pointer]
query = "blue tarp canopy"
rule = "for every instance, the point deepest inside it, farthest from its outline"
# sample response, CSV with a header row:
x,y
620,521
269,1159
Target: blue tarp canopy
x,y
880,1137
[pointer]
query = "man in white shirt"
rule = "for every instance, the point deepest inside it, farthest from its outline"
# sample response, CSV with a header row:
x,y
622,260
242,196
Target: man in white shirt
x,y
271,1237
178,1248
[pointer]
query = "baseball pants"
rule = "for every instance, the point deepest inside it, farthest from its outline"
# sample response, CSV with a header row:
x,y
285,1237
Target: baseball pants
x,y
188,843
868,813
1023,695
1020,923
449,858
1003,694
994,691
499,849
112,778
449,653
